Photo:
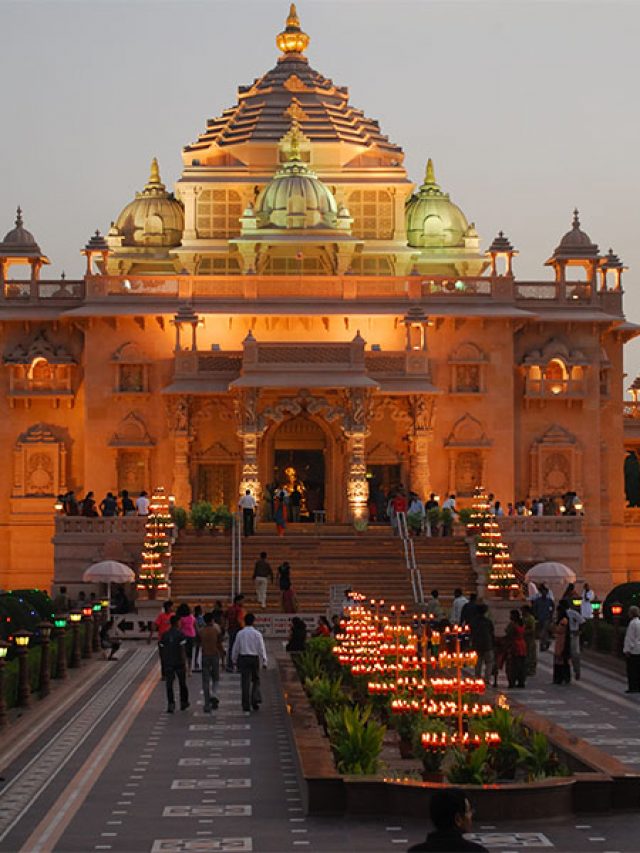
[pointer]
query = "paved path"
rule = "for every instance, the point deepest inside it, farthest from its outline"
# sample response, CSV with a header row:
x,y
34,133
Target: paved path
x,y
117,773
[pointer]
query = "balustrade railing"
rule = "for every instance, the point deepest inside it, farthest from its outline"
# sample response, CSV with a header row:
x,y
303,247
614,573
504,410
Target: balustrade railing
x,y
100,525
545,525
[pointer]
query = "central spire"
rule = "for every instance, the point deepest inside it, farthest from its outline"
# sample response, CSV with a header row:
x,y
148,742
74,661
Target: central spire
x,y
292,40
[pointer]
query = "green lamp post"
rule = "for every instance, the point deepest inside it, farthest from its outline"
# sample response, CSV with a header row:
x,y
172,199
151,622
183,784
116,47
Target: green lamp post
x,y
4,648
21,639
74,617
45,657
60,625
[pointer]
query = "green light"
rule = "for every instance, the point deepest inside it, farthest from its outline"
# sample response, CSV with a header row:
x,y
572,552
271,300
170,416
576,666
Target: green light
x,y
97,608
60,622
459,285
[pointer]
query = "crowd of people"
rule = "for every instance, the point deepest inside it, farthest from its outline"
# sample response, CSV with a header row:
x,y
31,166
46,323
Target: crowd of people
x,y
110,505
535,625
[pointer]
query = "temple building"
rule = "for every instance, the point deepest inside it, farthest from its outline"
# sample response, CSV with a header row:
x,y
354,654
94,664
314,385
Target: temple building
x,y
297,310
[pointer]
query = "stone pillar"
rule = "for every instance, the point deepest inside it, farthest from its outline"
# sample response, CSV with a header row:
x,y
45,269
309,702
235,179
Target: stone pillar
x,y
421,410
188,195
179,420
357,484
249,431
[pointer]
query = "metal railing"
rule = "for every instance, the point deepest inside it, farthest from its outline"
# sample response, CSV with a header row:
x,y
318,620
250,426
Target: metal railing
x,y
410,558
236,554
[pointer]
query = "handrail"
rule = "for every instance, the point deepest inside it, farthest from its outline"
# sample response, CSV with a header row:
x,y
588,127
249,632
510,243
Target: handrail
x,y
410,558
236,554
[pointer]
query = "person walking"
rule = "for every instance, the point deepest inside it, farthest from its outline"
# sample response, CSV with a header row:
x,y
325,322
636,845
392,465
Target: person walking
x,y
262,574
197,649
297,635
280,512
172,649
483,642
451,814
529,622
249,653
161,624
516,651
543,611
142,504
212,653
289,604
435,610
470,609
576,621
588,596
235,622
561,646
187,625
247,504
631,650
459,601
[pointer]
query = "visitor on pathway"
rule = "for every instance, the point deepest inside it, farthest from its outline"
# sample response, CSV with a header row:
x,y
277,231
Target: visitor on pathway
x,y
529,622
142,504
450,516
109,505
297,635
249,653
247,504
335,625
197,648
262,574
289,603
516,651
71,504
586,607
295,499
280,512
561,646
210,635
397,504
431,525
435,610
235,622
107,642
576,620
187,625
543,611
451,814
483,643
323,628
161,624
569,594
61,603
631,650
127,506
172,649
469,610
459,601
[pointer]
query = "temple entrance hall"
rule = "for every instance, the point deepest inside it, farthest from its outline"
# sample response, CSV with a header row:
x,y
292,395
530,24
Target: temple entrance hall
x,y
302,470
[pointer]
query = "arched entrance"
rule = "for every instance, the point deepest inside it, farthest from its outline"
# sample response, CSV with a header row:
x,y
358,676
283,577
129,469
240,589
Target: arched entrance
x,y
298,453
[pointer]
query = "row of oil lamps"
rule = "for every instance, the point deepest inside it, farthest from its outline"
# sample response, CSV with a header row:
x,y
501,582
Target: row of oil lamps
x,y
409,663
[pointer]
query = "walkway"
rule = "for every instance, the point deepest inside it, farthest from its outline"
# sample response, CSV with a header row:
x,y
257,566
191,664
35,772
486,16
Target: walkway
x,y
116,773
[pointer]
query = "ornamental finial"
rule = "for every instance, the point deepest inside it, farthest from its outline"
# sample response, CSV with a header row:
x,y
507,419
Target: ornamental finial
x,y
430,176
154,175
19,222
576,220
292,39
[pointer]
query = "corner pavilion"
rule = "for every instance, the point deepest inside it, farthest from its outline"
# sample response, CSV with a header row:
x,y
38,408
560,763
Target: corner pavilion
x,y
298,310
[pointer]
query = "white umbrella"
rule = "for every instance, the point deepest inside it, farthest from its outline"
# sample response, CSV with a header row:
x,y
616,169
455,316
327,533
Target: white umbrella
x,y
109,571
555,575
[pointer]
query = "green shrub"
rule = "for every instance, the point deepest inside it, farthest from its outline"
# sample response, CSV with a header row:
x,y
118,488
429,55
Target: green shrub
x,y
201,514
431,758
39,601
504,757
222,516
324,693
470,767
464,515
180,517
310,664
538,759
356,740
414,521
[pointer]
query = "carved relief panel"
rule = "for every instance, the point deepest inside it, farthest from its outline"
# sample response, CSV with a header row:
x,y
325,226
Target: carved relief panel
x,y
39,464
468,446
555,463
467,366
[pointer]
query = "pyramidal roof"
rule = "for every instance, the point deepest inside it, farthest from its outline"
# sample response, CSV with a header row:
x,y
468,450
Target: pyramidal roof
x,y
293,91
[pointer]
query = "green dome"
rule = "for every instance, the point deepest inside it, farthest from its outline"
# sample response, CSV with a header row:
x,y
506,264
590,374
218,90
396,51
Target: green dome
x,y
295,197
432,219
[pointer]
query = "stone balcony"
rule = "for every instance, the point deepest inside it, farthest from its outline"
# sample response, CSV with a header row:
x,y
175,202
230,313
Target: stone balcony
x,y
535,539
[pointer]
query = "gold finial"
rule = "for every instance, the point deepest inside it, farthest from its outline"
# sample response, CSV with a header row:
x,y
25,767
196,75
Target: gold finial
x,y
430,176
154,175
292,39
295,137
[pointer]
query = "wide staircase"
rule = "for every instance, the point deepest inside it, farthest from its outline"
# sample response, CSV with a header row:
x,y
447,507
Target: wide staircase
x,y
372,563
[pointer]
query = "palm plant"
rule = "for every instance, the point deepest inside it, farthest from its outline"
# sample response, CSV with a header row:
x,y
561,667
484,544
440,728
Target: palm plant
x,y
356,740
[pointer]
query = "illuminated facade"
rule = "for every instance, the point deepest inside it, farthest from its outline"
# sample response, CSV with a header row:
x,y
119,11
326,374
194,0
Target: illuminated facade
x,y
298,310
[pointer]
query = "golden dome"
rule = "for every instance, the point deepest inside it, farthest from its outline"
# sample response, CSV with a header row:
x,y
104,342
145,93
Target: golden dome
x,y
432,219
295,197
153,218
292,40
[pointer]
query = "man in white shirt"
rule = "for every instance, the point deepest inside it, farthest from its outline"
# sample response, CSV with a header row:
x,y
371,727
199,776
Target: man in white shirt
x,y
247,504
248,654
632,650
142,504
459,601
586,608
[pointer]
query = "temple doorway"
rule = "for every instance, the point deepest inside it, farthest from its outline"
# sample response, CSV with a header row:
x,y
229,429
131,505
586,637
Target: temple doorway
x,y
216,483
299,449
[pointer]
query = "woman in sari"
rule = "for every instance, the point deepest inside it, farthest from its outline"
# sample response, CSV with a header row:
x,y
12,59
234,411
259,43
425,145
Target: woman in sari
x,y
562,646
280,512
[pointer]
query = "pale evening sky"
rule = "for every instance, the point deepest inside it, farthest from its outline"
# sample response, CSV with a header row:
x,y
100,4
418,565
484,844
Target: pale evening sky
x,y
528,108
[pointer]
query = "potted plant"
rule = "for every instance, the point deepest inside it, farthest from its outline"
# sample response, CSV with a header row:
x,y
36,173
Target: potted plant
x,y
433,520
447,519
470,767
356,739
201,516
405,725
180,517
464,516
538,759
431,758
360,525
414,523
222,518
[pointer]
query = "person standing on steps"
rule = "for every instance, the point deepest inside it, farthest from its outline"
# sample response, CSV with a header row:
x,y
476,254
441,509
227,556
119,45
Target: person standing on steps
x,y
294,504
262,574
289,603
172,649
249,653
247,504
212,653
280,512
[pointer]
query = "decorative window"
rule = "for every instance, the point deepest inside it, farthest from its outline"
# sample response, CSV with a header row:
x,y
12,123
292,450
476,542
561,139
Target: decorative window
x,y
372,212
293,266
39,464
467,366
218,214
40,370
554,372
556,464
132,470
467,446
219,266
132,370
371,266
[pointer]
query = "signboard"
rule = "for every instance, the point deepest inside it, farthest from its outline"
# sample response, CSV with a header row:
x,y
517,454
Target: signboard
x,y
278,625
